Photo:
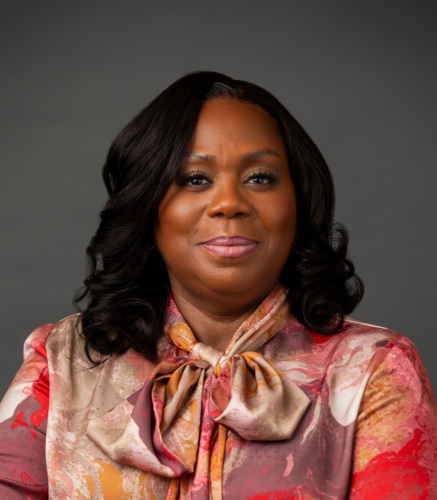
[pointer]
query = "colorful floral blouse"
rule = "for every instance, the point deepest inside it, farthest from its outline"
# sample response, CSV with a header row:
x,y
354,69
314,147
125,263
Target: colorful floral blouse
x,y
284,413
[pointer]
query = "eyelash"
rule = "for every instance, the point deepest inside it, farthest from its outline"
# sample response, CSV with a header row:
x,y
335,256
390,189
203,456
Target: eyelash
x,y
185,178
266,175
188,178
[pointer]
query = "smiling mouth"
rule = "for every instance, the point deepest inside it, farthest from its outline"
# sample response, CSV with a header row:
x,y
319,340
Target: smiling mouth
x,y
235,246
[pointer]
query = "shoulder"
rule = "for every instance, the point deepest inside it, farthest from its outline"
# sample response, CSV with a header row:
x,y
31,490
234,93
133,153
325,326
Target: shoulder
x,y
50,333
30,385
358,333
60,344
117,377
370,359
371,345
361,348
359,342
356,342
396,366
344,362
38,349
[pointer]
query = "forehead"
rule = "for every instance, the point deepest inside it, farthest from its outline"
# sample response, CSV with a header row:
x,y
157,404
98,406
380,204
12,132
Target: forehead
x,y
228,121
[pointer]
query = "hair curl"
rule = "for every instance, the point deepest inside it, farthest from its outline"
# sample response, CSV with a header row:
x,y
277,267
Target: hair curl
x,y
127,287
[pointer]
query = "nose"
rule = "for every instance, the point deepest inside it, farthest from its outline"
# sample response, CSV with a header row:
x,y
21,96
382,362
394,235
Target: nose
x,y
229,200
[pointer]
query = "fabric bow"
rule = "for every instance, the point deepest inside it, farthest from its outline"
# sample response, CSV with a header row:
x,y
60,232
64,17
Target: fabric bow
x,y
176,425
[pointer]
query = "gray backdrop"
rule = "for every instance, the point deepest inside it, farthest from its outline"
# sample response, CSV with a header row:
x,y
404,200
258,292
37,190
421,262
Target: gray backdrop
x,y
361,77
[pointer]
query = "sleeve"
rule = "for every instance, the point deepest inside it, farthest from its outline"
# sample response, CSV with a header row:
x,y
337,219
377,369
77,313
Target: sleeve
x,y
395,447
23,424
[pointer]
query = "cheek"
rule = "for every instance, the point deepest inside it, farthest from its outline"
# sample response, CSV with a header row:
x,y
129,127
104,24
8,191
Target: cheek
x,y
281,220
176,220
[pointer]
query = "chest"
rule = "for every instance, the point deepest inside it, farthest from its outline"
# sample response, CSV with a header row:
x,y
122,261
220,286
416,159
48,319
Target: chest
x,y
315,462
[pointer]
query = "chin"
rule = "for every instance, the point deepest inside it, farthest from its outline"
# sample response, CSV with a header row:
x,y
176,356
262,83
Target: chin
x,y
245,290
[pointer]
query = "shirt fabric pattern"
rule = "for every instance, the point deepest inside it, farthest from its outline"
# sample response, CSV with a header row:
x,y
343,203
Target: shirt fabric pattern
x,y
284,413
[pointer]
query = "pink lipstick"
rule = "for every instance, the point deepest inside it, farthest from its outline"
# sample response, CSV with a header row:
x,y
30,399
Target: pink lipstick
x,y
234,246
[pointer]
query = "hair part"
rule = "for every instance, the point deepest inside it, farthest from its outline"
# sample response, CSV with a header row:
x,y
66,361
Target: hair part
x,y
127,286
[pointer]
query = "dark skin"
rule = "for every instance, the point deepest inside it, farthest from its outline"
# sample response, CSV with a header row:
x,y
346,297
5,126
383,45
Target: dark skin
x,y
226,226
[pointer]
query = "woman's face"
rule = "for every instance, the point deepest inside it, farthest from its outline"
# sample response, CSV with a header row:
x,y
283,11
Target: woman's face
x,y
228,221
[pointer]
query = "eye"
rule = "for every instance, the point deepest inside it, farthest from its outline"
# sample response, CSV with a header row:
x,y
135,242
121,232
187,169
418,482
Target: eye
x,y
193,179
261,177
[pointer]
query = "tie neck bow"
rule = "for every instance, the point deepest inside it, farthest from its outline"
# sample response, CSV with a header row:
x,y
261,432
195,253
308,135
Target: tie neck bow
x,y
177,423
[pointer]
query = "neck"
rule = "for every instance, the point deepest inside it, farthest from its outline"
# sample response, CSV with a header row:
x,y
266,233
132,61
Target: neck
x,y
210,325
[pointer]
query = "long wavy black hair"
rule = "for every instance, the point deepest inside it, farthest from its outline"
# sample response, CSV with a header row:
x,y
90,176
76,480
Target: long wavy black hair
x,y
127,288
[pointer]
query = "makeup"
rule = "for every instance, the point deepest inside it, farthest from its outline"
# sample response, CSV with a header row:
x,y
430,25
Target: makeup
x,y
232,247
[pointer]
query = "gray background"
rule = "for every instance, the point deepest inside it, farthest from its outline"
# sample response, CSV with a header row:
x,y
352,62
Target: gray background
x,y
361,77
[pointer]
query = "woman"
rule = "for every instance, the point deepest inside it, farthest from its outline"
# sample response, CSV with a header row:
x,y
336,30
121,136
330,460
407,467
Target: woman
x,y
214,358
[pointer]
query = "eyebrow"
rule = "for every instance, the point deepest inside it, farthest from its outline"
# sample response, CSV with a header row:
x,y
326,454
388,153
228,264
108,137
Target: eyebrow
x,y
202,156
250,156
259,154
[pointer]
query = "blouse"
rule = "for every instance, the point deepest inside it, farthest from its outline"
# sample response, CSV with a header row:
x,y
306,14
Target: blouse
x,y
284,413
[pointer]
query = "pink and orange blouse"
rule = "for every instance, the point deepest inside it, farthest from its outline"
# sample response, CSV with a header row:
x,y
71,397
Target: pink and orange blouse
x,y
283,413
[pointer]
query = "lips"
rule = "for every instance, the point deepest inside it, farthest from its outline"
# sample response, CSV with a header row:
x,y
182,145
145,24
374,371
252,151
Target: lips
x,y
233,247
